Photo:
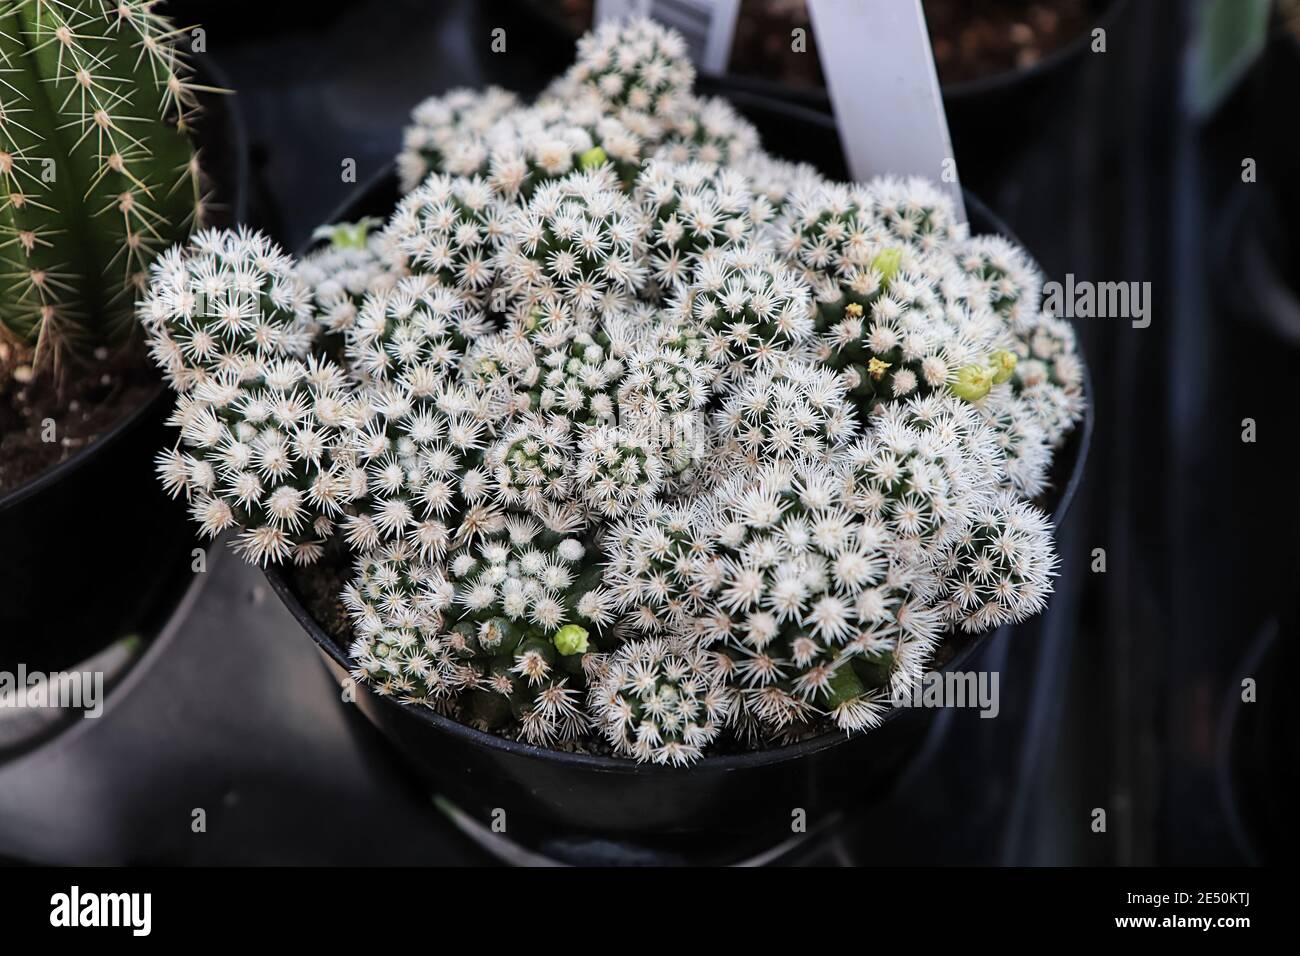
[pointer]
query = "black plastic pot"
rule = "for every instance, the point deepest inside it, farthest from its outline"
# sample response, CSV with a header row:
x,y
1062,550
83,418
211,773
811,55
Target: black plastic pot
x,y
722,807
92,550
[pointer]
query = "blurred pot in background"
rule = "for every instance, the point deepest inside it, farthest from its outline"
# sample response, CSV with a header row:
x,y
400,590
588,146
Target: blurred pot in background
x,y
1279,78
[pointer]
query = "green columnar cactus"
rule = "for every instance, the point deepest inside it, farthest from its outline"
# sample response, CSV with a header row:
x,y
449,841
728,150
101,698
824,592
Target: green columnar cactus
x,y
97,171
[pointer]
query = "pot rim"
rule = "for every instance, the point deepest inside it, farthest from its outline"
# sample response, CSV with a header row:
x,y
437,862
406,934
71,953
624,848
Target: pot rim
x,y
211,75
726,763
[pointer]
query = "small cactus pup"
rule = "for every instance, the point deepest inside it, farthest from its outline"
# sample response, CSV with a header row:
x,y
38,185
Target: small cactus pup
x,y
694,211
1000,569
660,702
447,133
529,608
220,305
97,169
637,70
229,324
752,310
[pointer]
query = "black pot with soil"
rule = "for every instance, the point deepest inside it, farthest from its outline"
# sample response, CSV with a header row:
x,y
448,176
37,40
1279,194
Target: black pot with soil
x,y
94,552
589,807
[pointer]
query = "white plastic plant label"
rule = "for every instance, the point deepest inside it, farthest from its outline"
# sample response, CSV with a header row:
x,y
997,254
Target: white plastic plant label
x,y
884,89
709,26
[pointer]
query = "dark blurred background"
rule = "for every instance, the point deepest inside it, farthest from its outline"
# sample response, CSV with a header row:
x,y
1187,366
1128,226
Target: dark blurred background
x,y
1119,166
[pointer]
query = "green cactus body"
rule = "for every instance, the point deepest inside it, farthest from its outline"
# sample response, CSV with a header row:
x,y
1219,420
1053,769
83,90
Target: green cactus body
x,y
97,172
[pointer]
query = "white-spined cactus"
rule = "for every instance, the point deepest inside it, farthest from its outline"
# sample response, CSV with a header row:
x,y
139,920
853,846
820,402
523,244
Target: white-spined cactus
x,y
413,332
616,471
354,262
803,592
576,251
222,305
1048,375
653,564
1000,570
448,133
637,70
641,434
708,130
752,310
661,400
918,479
1006,276
659,702
522,599
788,412
414,468
577,376
779,181
398,608
451,229
255,455
1024,443
913,338
531,466
694,211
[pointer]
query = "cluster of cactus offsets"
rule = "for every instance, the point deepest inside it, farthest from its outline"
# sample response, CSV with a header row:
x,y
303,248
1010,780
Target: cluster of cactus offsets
x,y
97,170
635,451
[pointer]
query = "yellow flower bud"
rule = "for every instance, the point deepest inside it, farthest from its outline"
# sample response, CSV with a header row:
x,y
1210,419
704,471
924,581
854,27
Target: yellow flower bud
x,y
973,382
1003,364
592,158
571,639
887,263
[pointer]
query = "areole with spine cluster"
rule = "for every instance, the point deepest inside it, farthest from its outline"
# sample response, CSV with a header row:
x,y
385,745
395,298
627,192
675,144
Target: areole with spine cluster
x,y
637,437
